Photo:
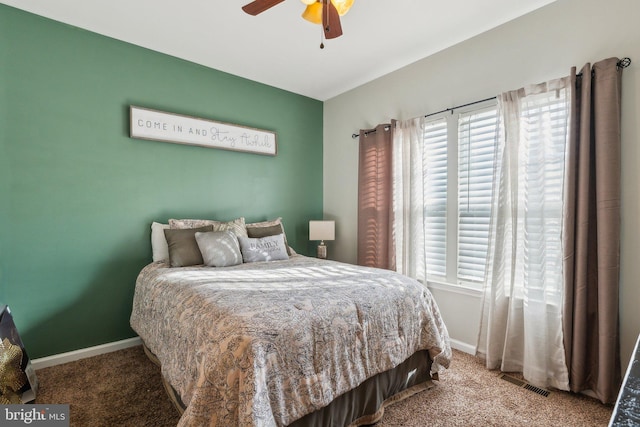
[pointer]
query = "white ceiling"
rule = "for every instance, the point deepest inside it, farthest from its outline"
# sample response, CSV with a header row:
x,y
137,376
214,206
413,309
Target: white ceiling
x,y
278,47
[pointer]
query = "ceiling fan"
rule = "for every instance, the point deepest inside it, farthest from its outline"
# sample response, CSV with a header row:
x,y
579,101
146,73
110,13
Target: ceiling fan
x,y
325,12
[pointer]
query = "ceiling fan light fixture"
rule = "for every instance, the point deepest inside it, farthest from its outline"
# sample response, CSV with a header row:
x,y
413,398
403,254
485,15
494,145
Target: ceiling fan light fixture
x,y
342,6
313,13
308,2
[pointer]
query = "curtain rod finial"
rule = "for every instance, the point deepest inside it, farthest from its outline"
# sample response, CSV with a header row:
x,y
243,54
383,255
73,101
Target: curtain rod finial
x,y
624,62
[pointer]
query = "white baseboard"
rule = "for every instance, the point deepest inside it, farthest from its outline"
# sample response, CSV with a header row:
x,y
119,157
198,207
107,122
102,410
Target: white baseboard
x,y
58,359
463,346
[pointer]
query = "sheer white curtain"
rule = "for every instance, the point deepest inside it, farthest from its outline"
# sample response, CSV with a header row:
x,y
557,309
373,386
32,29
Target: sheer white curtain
x,y
521,324
408,198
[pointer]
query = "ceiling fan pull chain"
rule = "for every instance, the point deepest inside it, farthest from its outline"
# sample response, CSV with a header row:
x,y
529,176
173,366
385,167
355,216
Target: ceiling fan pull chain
x,y
325,10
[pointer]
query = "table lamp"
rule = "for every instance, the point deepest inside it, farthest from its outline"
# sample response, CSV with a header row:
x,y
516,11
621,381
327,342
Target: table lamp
x,y
322,230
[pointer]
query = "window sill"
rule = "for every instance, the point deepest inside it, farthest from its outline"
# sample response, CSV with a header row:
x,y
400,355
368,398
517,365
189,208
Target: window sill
x,y
459,289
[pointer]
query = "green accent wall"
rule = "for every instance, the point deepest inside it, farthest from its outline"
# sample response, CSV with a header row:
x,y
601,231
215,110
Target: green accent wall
x,y
78,195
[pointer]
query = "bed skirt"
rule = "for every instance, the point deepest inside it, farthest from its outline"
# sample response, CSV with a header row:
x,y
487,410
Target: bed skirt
x,y
361,406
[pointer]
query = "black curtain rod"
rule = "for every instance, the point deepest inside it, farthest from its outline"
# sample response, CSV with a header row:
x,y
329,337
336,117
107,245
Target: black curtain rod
x,y
459,106
623,63
356,135
367,132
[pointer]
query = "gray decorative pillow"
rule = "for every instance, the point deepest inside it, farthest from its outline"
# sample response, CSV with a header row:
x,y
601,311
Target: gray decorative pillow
x,y
219,248
270,248
183,248
268,228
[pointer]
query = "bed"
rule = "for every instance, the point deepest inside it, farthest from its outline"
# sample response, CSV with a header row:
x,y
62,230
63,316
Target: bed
x,y
292,342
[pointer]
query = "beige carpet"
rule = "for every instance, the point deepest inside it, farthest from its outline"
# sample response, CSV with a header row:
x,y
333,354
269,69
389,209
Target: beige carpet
x,y
123,388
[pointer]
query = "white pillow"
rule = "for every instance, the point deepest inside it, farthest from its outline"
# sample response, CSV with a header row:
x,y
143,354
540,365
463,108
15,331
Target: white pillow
x,y
270,248
159,246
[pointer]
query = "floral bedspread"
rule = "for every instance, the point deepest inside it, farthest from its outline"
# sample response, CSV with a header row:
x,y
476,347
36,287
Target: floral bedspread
x,y
263,344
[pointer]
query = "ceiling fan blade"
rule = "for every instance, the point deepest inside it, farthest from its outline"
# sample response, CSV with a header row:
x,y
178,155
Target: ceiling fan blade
x,y
259,6
331,20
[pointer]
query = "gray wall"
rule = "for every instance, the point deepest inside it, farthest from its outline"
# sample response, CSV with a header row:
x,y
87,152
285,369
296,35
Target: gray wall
x,y
534,48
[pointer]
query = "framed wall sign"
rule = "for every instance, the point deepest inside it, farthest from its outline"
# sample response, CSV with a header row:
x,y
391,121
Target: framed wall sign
x,y
176,128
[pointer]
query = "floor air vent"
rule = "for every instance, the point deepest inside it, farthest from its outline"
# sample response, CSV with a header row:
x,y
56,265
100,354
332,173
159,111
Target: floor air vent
x,y
525,385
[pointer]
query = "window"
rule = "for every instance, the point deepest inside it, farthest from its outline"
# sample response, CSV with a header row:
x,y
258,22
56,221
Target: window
x,y
458,178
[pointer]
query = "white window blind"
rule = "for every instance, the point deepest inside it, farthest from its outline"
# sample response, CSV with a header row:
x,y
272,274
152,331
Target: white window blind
x,y
434,168
477,133
461,257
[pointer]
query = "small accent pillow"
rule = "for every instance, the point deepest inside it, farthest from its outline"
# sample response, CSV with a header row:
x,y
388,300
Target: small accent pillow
x,y
270,248
183,248
219,248
268,228
159,247
237,225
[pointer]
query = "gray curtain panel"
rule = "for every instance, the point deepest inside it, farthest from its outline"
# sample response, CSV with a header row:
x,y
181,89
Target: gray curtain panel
x,y
375,223
592,232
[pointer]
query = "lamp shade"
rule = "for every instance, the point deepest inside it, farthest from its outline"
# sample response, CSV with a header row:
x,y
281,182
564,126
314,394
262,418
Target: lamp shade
x,y
322,230
313,13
